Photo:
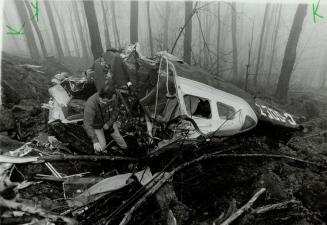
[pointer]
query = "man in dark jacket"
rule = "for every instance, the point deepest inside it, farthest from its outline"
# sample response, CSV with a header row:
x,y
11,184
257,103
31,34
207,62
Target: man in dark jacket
x,y
100,113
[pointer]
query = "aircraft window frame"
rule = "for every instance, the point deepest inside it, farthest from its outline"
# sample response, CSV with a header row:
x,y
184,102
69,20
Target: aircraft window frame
x,y
198,116
226,117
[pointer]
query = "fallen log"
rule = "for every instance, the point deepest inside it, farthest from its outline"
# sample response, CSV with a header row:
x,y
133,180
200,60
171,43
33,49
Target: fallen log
x,y
55,158
244,208
163,179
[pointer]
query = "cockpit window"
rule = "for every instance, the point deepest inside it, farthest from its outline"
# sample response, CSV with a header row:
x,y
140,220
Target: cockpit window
x,y
197,106
225,112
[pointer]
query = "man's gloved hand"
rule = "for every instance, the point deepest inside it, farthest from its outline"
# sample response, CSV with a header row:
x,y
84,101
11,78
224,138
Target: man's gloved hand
x,y
97,147
105,126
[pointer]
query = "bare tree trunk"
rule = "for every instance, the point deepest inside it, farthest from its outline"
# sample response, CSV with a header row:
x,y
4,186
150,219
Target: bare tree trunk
x,y
290,53
166,25
134,21
275,33
106,26
37,29
114,21
149,26
63,32
73,33
235,61
260,43
54,31
188,32
96,45
86,31
270,18
80,30
205,41
323,71
218,36
29,36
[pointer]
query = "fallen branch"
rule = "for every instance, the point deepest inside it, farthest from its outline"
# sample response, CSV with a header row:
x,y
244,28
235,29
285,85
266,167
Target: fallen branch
x,y
314,135
53,158
277,206
244,208
164,179
35,211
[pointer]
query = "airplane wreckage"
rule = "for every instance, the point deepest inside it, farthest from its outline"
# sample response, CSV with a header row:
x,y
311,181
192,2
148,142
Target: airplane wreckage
x,y
162,100
164,104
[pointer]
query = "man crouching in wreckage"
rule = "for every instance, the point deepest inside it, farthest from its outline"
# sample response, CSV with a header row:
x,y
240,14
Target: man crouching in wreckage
x,y
100,115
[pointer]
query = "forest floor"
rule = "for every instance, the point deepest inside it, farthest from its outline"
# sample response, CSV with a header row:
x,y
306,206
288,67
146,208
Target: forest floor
x,y
293,172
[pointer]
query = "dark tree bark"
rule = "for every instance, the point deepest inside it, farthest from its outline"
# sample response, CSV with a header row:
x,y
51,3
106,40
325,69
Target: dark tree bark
x,y
106,26
149,27
92,22
290,53
54,30
166,25
37,29
188,32
234,41
275,33
63,32
114,21
134,21
260,44
80,30
218,36
28,32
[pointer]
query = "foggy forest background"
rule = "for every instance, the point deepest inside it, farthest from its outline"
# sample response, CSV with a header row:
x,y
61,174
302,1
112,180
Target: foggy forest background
x,y
224,38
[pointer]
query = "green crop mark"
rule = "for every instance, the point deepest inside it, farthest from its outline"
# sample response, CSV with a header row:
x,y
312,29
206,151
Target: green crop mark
x,y
314,11
14,31
36,8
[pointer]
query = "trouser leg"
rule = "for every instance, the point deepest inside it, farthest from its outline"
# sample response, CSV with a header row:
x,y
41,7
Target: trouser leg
x,y
118,138
101,138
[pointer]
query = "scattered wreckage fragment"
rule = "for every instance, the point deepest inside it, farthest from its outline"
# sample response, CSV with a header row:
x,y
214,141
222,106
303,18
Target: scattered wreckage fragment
x,y
168,100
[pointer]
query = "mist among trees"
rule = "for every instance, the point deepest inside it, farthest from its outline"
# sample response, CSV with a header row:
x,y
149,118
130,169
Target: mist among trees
x,y
266,48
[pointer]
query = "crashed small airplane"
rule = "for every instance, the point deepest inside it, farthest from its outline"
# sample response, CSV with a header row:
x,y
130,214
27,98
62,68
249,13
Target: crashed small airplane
x,y
168,100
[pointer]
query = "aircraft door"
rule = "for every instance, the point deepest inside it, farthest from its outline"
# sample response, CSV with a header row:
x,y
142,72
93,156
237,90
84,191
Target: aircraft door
x,y
200,110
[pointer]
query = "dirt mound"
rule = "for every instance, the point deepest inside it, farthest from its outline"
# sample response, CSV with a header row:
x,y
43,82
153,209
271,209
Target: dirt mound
x,y
24,85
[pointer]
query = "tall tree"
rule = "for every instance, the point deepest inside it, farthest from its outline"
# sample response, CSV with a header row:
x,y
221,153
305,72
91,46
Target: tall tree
x,y
275,35
166,25
114,21
260,43
149,26
290,53
323,71
73,33
134,14
218,36
54,31
94,32
63,31
106,26
234,42
29,36
80,30
37,29
188,32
